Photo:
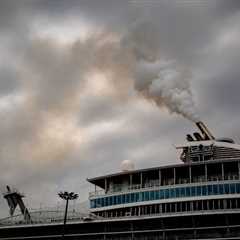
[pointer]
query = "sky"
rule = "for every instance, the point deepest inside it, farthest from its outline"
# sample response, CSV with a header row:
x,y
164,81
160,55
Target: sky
x,y
85,85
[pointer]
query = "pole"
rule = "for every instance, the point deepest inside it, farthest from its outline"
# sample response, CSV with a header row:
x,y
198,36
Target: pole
x,y
65,219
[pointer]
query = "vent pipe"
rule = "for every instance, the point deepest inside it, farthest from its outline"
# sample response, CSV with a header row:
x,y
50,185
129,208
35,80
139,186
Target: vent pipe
x,y
207,135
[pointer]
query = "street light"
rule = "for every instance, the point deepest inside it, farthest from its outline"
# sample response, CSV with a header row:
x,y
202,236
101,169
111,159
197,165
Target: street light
x,y
66,196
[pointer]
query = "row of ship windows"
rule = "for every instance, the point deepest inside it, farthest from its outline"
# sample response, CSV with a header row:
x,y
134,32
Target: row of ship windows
x,y
205,190
200,205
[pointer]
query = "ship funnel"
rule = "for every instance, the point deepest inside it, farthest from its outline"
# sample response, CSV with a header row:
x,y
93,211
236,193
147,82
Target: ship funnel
x,y
198,136
207,135
189,138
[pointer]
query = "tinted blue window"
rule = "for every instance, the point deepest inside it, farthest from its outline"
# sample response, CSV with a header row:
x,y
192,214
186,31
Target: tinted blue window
x,y
99,202
157,195
199,192
182,190
137,197
215,189
132,199
146,196
166,193
127,198
124,199
177,192
232,188
193,191
221,189
161,194
172,193
227,189
152,195
142,196
209,188
238,188
204,190
118,199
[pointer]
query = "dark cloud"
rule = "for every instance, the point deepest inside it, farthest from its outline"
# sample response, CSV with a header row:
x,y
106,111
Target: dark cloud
x,y
62,124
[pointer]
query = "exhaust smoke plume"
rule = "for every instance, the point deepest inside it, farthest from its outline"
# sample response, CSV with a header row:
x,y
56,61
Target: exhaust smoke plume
x,y
168,86
165,82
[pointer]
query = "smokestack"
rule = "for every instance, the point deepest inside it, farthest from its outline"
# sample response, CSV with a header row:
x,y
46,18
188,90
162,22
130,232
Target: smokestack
x,y
189,138
207,135
198,136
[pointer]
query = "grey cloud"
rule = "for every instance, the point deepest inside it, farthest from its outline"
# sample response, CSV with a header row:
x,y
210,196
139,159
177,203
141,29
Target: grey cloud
x,y
8,80
53,79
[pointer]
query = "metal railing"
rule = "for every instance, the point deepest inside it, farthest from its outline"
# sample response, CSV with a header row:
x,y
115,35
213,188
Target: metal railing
x,y
42,216
179,182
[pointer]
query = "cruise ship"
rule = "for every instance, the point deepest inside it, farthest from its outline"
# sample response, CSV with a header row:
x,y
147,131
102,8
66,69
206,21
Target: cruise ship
x,y
198,198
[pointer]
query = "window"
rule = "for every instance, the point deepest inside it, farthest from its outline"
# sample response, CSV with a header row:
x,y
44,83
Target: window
x,y
138,197
132,196
221,189
127,198
161,194
152,195
182,190
142,196
172,193
167,193
204,190
98,202
177,192
114,200
119,200
146,196
103,202
227,189
215,189
232,188
157,195
238,188
123,198
199,191
193,191
92,204
209,188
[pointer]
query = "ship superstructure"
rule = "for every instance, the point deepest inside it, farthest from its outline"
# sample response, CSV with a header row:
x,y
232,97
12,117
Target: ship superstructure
x,y
196,199
207,183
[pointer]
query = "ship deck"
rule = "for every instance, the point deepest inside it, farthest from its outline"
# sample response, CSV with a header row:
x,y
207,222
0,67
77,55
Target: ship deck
x,y
202,225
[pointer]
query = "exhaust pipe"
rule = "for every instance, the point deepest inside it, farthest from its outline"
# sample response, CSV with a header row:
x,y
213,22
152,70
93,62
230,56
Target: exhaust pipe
x,y
207,135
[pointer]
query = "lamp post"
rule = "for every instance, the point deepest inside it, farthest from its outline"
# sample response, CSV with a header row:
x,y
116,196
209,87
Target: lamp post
x,y
66,196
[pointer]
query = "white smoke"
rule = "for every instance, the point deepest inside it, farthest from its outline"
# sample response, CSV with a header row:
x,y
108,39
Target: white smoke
x,y
168,85
165,82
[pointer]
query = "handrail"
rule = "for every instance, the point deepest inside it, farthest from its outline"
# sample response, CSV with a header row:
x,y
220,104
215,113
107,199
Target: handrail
x,y
102,193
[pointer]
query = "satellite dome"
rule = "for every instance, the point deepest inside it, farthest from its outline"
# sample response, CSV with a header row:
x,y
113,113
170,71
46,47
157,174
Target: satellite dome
x,y
127,165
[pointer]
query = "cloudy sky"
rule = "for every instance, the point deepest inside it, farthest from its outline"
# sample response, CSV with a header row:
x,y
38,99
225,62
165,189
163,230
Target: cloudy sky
x,y
85,85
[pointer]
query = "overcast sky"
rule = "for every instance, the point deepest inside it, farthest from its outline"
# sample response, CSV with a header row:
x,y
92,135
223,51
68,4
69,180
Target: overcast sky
x,y
69,105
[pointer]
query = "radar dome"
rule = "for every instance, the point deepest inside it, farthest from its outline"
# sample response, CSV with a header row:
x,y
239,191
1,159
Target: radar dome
x,y
127,165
